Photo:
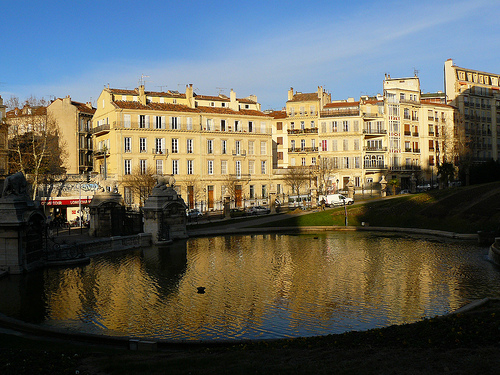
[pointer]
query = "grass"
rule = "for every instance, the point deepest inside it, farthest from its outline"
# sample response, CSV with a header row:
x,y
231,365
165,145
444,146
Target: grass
x,y
460,210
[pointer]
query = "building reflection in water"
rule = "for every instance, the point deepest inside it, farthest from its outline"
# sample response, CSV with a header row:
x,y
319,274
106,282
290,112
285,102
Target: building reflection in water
x,y
258,286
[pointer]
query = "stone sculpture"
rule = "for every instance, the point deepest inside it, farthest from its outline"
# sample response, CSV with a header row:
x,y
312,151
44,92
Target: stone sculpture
x,y
16,185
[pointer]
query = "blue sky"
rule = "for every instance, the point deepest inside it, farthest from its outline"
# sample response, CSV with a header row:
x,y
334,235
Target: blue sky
x,y
57,48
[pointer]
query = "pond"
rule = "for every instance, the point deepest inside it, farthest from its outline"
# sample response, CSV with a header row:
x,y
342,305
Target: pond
x,y
256,286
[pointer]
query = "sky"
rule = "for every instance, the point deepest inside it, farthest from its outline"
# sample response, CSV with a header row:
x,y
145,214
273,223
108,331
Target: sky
x,y
50,49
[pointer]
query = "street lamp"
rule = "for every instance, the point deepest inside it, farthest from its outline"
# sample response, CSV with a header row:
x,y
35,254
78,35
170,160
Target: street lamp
x,y
337,185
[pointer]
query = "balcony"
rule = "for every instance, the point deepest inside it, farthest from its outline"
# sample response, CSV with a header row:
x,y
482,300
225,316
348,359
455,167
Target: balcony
x,y
239,152
375,131
340,113
376,166
101,130
303,131
407,167
415,134
303,149
101,153
374,149
408,133
159,151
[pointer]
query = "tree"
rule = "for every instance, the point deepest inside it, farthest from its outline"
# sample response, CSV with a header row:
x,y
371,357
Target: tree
x,y
194,188
296,177
446,173
324,171
393,183
140,182
35,146
462,150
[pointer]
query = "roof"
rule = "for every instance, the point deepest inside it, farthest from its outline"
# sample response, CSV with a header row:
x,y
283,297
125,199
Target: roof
x,y
341,105
22,112
304,97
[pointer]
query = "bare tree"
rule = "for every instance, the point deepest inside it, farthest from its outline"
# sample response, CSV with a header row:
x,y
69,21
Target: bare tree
x,y
140,182
296,178
324,171
35,146
462,149
193,185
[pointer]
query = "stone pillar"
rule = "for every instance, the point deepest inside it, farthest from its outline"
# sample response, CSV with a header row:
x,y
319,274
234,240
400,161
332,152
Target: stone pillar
x,y
106,214
22,226
383,184
165,214
413,183
350,190
227,206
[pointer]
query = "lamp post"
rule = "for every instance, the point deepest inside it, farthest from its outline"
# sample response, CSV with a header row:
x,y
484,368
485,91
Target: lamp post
x,y
345,213
337,185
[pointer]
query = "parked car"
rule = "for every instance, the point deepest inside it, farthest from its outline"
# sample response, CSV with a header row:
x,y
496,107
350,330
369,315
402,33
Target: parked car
x,y
237,212
335,200
194,214
405,191
258,210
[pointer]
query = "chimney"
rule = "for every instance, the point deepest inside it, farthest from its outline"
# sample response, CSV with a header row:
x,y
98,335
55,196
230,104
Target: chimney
x,y
233,104
142,95
290,93
189,95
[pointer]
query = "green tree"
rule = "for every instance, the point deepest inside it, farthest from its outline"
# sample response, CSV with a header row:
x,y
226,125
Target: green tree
x,y
446,173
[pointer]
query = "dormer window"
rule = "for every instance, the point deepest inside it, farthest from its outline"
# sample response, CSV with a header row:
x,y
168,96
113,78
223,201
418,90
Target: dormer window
x,y
212,104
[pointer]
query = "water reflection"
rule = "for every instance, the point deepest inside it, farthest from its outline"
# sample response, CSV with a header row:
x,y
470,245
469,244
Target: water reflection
x,y
260,286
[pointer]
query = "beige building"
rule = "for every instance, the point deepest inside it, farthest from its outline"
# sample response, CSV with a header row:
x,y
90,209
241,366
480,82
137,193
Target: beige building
x,y
214,146
396,135
74,120
476,94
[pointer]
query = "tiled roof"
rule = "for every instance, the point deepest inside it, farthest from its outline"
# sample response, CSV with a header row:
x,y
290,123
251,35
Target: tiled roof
x,y
304,97
278,114
222,98
246,100
154,106
83,108
35,111
429,101
342,105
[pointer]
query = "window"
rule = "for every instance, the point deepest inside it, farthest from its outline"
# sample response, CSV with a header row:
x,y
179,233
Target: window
x,y
142,145
324,145
302,125
160,122
143,164
210,124
127,144
345,126
346,162
237,166
356,144
334,126
237,146
250,147
279,140
303,162
222,125
263,127
175,123
237,126
189,146
406,114
175,145
189,166
210,146
252,191
280,155
251,167
127,166
279,125
302,144
126,121
402,96
159,167
313,160
223,167
189,123
263,148
160,146
292,145
143,121
250,126
175,166
264,191
345,144
210,167
263,167
313,144
224,146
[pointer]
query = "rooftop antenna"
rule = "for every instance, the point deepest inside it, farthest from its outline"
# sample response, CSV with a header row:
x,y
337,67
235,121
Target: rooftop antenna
x,y
221,89
161,87
142,81
415,72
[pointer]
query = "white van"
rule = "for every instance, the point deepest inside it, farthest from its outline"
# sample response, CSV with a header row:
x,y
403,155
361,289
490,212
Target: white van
x,y
334,200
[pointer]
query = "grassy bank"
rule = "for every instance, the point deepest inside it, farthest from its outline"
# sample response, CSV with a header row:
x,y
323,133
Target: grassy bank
x,y
461,210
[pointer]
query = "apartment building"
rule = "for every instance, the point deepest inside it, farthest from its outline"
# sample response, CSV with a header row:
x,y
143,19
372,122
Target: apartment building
x,y
74,120
4,145
397,135
214,146
476,94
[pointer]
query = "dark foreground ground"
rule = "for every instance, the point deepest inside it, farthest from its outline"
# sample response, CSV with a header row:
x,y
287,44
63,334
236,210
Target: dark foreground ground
x,y
467,343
